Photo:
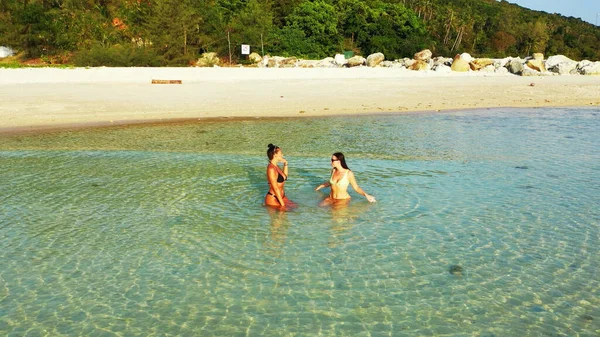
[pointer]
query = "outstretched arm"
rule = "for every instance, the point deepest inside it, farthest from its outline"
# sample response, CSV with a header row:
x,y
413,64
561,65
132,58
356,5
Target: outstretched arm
x,y
357,188
323,185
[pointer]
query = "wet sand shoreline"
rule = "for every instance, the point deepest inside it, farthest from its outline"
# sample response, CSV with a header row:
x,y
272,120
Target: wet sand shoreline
x,y
37,100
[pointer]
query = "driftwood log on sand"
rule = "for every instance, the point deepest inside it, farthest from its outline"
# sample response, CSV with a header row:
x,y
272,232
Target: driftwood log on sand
x,y
166,82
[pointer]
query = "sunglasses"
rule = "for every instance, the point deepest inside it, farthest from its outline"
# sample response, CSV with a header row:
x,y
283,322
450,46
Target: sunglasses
x,y
332,160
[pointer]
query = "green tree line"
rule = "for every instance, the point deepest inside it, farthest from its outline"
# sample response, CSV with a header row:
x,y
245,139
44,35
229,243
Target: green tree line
x,y
176,32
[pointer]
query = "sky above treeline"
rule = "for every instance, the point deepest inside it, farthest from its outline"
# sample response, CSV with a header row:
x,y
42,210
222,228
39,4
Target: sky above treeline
x,y
587,10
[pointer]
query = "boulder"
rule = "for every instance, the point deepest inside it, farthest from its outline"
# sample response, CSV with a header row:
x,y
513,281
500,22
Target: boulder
x,y
340,59
6,52
279,62
538,56
478,64
488,69
536,64
308,64
356,61
526,71
501,70
288,62
502,62
561,64
271,63
264,61
406,62
208,60
409,62
460,65
552,61
515,66
373,60
254,58
442,68
586,67
442,60
419,65
423,55
393,64
467,57
328,62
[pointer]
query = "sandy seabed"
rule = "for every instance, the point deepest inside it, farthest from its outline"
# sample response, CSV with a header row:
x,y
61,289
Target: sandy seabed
x,y
50,98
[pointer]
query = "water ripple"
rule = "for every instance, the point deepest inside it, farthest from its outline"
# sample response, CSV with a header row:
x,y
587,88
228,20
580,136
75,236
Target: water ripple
x,y
133,231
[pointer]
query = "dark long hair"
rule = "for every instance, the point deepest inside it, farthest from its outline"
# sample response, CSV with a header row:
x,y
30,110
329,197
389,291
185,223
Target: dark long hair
x,y
342,159
271,151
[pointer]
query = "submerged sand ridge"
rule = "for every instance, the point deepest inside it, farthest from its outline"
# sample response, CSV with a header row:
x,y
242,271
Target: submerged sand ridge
x,y
48,98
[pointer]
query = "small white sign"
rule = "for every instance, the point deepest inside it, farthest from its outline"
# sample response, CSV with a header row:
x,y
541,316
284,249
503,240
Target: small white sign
x,y
245,49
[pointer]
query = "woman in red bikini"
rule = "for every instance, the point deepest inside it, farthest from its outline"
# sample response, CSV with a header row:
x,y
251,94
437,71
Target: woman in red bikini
x,y
276,178
341,177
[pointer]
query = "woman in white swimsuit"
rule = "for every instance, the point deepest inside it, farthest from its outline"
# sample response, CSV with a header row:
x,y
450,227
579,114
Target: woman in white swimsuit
x,y
341,177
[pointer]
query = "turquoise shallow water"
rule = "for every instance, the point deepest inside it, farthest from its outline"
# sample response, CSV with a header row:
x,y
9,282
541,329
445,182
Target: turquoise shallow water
x,y
160,230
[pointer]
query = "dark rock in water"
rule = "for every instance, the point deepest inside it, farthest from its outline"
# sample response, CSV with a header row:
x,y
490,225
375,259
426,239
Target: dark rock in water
x,y
570,137
340,285
521,167
587,318
175,220
96,184
456,270
537,308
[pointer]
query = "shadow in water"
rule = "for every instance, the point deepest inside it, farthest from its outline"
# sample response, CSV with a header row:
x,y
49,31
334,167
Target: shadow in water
x,y
312,178
257,177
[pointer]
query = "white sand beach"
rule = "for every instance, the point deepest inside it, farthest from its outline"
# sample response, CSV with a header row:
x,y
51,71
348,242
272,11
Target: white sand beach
x,y
42,98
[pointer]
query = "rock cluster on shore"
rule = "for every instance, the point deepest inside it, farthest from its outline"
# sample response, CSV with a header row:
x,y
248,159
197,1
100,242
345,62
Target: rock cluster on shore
x,y
534,65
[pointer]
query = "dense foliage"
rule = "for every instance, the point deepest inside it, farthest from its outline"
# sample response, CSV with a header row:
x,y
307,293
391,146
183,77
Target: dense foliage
x,y
176,32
